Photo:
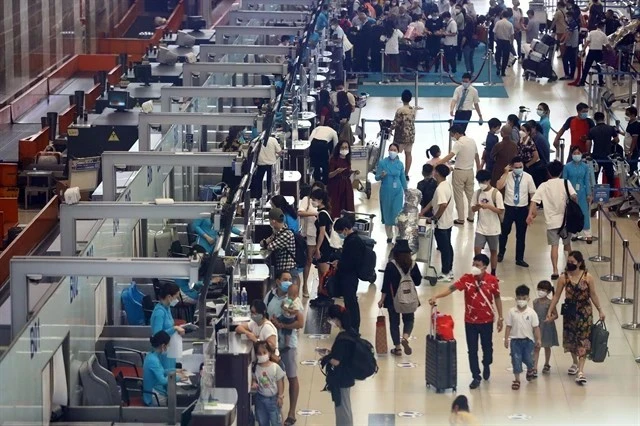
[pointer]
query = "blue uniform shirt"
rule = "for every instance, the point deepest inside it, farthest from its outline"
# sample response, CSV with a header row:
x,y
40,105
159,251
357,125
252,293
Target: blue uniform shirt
x,y
154,376
204,226
162,319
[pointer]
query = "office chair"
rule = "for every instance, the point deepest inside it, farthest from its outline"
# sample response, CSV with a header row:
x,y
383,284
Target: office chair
x,y
130,368
147,308
133,385
99,386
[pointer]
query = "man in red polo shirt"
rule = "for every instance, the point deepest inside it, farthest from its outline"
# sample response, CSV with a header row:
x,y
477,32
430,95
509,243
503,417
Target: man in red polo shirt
x,y
579,126
481,292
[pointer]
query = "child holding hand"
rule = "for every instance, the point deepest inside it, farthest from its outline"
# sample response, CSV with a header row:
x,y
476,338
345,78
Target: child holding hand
x,y
548,331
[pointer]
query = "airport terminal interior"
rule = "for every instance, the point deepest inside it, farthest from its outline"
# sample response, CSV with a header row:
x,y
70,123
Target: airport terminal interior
x,y
120,146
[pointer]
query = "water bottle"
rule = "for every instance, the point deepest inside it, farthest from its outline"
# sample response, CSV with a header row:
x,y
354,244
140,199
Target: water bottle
x,y
236,296
243,296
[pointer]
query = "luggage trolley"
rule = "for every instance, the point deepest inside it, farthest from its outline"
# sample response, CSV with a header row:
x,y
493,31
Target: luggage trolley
x,y
374,151
364,225
425,249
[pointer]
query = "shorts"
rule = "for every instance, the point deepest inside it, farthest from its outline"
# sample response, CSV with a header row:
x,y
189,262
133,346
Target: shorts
x,y
289,362
553,239
405,147
492,240
311,240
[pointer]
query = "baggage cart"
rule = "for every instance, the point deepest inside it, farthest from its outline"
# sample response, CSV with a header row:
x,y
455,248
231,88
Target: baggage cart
x,y
364,222
359,162
375,151
441,364
425,249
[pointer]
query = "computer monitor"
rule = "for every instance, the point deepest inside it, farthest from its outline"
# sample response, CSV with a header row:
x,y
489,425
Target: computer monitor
x,y
196,23
142,73
185,40
118,99
166,57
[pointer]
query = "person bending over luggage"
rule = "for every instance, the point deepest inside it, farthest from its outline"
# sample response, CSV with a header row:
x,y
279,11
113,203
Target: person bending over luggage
x,y
339,377
481,291
400,271
347,271
155,369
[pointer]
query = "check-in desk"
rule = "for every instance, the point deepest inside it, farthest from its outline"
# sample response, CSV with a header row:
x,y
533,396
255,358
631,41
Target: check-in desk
x,y
222,412
201,36
255,281
298,159
233,370
142,93
290,185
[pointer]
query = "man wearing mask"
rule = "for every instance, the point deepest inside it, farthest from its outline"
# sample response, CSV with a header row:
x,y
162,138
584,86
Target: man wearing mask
x,y
456,11
288,353
481,292
579,125
443,220
560,24
465,99
597,40
403,19
603,138
281,243
450,43
504,34
433,31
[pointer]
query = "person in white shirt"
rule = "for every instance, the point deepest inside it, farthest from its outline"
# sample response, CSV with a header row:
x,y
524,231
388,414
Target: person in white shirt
x,y
450,43
522,335
259,327
553,195
518,187
465,99
596,41
334,97
443,219
465,151
391,39
267,158
323,140
487,201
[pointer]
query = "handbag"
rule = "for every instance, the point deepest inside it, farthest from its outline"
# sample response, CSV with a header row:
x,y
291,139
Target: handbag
x,y
381,334
569,308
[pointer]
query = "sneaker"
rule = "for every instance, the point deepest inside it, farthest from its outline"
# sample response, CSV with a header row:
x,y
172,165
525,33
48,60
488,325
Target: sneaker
x,y
475,383
406,347
446,278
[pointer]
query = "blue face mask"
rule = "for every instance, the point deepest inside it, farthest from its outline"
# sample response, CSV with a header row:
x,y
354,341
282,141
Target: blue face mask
x,y
342,236
393,155
577,157
584,115
284,285
466,85
518,172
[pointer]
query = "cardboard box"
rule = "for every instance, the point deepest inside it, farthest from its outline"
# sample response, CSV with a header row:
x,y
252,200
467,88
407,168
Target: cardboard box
x,y
63,185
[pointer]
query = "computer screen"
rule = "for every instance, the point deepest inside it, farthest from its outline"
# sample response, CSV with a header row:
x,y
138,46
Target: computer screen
x,y
196,23
185,40
118,99
142,73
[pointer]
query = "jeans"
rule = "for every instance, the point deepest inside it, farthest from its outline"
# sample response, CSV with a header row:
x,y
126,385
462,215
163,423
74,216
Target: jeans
x,y
517,215
267,411
394,324
467,54
443,240
521,352
569,61
503,48
484,332
592,56
518,38
450,63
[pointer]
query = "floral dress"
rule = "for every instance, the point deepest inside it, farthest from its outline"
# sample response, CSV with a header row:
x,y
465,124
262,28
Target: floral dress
x,y
526,149
577,330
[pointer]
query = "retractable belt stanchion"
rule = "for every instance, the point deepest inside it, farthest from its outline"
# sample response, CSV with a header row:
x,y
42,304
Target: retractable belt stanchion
x,y
635,320
612,277
417,93
599,257
623,299
489,58
382,79
441,82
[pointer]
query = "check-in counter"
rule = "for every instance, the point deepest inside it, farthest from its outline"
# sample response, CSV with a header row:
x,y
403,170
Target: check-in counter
x,y
221,412
298,159
233,370
290,185
255,281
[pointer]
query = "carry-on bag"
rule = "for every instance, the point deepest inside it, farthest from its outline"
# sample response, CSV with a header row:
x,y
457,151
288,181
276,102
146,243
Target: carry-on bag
x,y
441,368
381,334
599,342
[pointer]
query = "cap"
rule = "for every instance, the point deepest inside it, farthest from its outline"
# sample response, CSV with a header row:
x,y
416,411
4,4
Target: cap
x,y
456,128
402,246
276,214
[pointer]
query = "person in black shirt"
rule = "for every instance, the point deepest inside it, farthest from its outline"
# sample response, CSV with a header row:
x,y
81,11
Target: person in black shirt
x,y
631,148
603,138
338,363
427,186
390,284
433,27
347,272
611,22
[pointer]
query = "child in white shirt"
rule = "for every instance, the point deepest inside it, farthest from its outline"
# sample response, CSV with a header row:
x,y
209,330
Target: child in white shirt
x,y
291,305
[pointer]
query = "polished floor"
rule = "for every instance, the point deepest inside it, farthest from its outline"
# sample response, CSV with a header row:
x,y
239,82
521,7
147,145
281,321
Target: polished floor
x,y
612,395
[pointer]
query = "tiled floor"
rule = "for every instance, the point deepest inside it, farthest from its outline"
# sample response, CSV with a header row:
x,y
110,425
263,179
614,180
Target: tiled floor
x,y
612,395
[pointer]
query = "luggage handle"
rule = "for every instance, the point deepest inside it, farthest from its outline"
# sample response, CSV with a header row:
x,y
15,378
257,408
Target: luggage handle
x,y
434,314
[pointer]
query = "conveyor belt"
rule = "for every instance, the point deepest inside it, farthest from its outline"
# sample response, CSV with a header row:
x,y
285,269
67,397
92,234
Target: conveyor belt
x,y
9,137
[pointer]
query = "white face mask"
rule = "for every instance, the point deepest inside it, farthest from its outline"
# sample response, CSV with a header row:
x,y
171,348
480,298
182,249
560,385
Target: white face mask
x,y
540,112
522,134
393,155
332,323
314,203
262,358
344,152
521,303
475,271
484,186
542,293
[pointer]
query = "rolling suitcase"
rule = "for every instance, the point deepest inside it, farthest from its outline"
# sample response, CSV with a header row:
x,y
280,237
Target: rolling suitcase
x,y
441,368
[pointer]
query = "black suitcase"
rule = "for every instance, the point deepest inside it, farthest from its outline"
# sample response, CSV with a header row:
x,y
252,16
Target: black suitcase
x,y
441,365
548,40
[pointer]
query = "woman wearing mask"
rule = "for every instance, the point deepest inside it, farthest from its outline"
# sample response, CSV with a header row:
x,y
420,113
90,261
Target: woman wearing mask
x,y
336,363
469,44
514,122
400,266
340,187
580,290
308,214
579,174
290,213
537,166
391,39
155,370
391,172
161,317
527,149
544,112
260,328
324,226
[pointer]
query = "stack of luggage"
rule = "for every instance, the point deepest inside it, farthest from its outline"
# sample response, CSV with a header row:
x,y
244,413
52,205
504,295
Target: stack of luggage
x,y
538,63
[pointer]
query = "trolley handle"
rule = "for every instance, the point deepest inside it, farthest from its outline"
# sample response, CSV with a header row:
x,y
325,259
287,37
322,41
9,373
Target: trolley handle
x,y
370,215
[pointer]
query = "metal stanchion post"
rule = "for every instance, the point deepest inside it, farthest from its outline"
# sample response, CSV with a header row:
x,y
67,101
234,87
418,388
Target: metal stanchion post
x,y
635,321
417,93
441,54
623,300
612,277
590,89
489,58
599,257
562,151
382,80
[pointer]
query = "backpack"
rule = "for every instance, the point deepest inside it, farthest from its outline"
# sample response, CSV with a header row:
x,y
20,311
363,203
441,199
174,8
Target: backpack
x,y
573,216
494,195
405,301
300,255
363,360
367,266
599,342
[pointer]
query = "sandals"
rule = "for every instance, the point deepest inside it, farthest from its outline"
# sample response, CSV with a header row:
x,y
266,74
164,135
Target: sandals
x,y
290,421
573,370
546,369
515,385
405,344
531,374
555,276
458,222
396,352
581,379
